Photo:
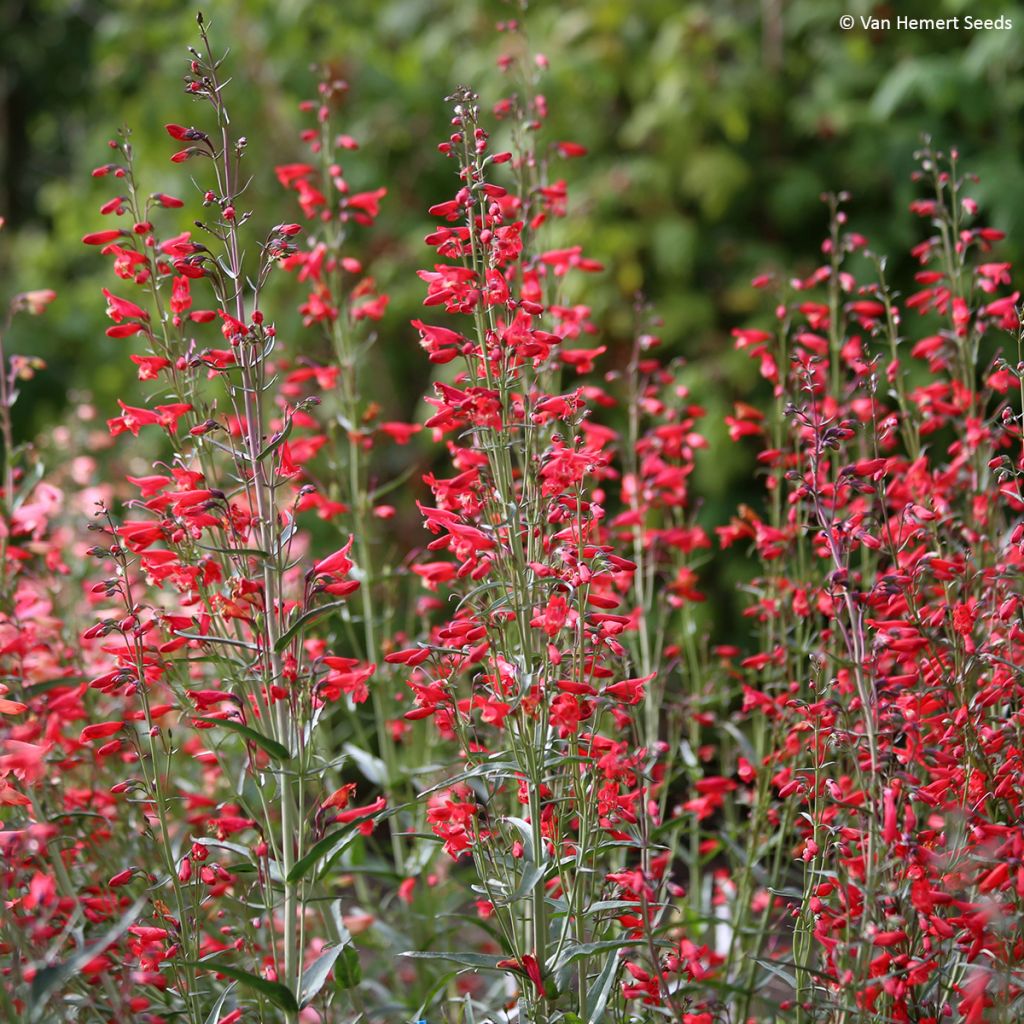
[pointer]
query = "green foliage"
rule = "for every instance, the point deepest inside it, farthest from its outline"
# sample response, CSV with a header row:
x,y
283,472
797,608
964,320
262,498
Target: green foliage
x,y
712,129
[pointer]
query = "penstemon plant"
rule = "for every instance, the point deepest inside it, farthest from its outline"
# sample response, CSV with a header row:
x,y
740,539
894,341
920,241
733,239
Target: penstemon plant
x,y
217,592
263,759
897,579
529,677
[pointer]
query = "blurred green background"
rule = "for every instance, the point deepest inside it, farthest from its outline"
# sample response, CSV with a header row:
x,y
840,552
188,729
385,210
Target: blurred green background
x,y
712,129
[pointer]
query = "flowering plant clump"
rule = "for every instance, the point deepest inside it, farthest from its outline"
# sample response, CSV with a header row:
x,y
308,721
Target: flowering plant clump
x,y
894,463
260,763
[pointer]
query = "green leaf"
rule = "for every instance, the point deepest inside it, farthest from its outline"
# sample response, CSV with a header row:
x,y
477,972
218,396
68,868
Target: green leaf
x,y
605,905
599,993
575,951
276,750
278,994
226,269
286,535
377,868
254,552
528,882
496,767
741,741
276,441
214,1017
32,477
314,978
373,768
302,622
477,960
439,985
347,971
324,848
524,830
206,639
223,844
786,977
62,815
493,585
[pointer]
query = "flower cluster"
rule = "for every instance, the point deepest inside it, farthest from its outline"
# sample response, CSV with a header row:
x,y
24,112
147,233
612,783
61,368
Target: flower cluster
x,y
265,756
891,596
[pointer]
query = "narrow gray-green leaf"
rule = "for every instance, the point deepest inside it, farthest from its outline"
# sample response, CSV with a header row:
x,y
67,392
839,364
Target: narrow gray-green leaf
x,y
314,977
528,882
302,622
347,971
373,768
278,994
223,844
276,441
214,1017
327,846
599,993
577,950
276,750
52,684
477,960
524,830
249,552
207,639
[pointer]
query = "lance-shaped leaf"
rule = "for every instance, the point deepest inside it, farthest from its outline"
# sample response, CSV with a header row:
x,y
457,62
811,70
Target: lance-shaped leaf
x,y
302,622
280,995
478,960
214,1017
328,845
276,750
314,977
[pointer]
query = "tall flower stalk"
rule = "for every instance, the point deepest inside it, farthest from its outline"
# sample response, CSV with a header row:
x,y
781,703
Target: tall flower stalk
x,y
270,762
234,653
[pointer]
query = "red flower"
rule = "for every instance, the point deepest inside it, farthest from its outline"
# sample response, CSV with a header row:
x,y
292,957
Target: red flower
x,y
629,691
103,237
